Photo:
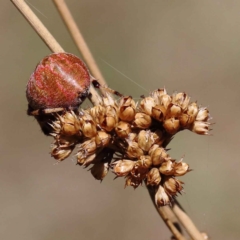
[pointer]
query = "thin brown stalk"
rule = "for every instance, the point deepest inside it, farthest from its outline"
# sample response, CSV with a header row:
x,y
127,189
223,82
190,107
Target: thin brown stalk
x,y
46,36
79,40
187,223
167,216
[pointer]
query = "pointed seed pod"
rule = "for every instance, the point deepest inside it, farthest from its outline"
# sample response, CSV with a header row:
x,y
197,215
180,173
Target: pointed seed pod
x,y
172,186
165,100
147,104
102,139
167,168
200,127
70,124
123,129
158,112
161,197
133,150
171,125
142,121
123,167
97,113
61,153
145,161
158,155
173,111
145,140
157,94
133,181
181,99
153,177
180,168
127,109
89,127
203,114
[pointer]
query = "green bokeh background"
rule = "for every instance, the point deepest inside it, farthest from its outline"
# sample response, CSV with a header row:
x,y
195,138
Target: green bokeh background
x,y
191,46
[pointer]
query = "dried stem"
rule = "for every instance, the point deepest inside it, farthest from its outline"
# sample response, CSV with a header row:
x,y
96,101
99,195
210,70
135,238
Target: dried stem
x,y
187,223
46,36
79,40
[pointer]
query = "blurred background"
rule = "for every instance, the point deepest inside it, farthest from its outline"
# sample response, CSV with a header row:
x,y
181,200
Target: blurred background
x,y
191,46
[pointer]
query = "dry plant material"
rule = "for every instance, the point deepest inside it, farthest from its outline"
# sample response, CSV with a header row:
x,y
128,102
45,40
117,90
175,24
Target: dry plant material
x,y
130,138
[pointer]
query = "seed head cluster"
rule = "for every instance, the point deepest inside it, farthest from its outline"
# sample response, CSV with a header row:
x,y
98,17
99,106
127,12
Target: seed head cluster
x,y
130,139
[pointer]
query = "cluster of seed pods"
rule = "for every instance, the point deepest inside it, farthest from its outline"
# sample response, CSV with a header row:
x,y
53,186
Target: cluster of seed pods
x,y
128,138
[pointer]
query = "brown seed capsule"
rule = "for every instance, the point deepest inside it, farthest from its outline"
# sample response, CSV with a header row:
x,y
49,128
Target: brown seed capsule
x,y
87,148
153,177
157,94
159,112
185,120
99,170
123,167
172,186
173,111
171,125
200,127
133,181
70,124
110,119
158,155
203,115
97,113
102,139
147,104
133,150
139,170
142,121
145,140
167,168
145,161
123,129
165,100
180,168
181,99
61,153
192,110
89,127
127,109
161,197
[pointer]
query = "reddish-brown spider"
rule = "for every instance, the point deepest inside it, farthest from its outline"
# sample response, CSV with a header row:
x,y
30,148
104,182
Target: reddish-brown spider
x,y
60,82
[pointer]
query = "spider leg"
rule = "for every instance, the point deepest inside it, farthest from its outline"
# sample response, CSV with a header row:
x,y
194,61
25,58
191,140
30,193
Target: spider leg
x,y
96,84
44,111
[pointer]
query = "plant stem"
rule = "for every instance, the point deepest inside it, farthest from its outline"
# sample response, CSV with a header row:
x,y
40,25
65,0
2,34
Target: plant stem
x,y
187,223
79,40
38,26
46,36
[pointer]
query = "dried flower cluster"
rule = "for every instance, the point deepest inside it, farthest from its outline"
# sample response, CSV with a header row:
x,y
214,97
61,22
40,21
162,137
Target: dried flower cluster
x,y
131,139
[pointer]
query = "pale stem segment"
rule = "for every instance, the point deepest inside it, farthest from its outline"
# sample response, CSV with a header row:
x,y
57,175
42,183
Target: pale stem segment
x,y
79,40
47,37
187,223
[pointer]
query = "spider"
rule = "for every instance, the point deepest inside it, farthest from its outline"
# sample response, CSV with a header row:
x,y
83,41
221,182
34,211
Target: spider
x,y
60,82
